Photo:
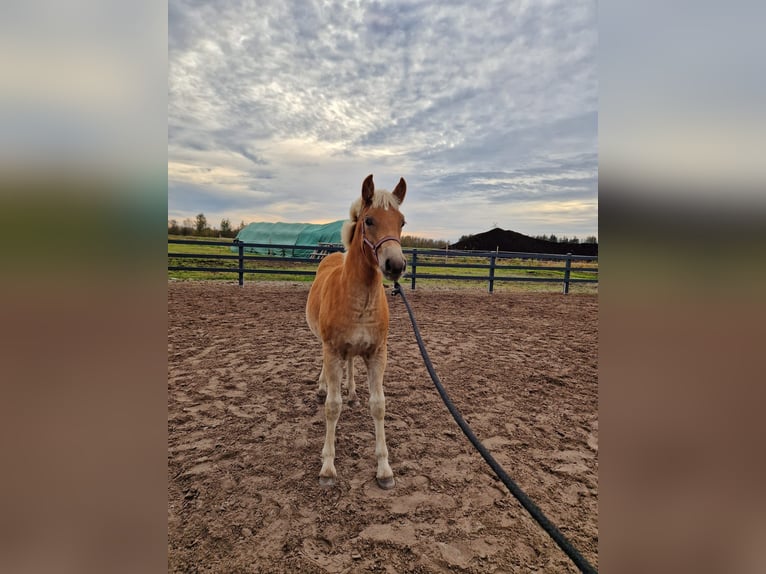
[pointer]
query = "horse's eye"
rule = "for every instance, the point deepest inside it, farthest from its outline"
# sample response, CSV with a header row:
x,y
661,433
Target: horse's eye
x,y
404,223
368,221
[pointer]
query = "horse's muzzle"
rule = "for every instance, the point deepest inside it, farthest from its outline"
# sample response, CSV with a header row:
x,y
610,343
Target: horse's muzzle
x,y
393,267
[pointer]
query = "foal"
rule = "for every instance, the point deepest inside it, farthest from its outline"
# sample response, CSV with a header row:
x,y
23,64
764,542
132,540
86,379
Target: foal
x,y
348,311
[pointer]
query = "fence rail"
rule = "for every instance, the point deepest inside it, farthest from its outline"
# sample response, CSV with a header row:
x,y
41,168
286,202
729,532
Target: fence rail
x,y
418,259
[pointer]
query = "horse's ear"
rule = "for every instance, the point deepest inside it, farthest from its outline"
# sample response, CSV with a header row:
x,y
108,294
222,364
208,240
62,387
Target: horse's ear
x,y
401,190
368,191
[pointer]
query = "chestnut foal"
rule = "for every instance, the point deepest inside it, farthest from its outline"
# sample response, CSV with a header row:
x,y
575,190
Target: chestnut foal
x,y
348,311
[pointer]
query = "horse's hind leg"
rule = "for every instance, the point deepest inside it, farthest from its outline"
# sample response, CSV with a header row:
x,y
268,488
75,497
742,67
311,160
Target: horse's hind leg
x,y
353,400
322,388
376,365
333,371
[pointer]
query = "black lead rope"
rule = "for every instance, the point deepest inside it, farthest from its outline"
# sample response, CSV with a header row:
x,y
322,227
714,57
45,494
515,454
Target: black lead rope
x,y
520,495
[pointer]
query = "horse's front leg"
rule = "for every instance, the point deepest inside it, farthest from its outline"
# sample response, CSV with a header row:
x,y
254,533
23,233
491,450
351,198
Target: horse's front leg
x,y
376,366
333,374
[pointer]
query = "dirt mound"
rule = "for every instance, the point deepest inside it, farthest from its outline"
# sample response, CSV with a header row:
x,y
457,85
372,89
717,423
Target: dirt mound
x,y
245,433
506,240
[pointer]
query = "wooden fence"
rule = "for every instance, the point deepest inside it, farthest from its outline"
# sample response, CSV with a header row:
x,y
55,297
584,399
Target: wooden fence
x,y
418,259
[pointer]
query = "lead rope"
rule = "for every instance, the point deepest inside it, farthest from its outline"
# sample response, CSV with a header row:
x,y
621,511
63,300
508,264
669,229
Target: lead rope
x,y
582,564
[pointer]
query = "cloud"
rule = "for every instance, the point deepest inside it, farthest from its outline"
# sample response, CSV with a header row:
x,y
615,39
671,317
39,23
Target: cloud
x,y
297,101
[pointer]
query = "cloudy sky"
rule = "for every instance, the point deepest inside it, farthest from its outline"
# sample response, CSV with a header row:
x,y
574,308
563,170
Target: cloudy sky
x,y
278,110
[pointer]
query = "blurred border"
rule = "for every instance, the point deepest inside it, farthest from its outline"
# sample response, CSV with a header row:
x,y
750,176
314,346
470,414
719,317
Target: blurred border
x,y
682,323
83,142
83,206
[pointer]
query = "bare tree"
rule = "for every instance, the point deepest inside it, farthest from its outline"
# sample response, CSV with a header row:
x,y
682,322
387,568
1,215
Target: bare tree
x,y
200,223
188,227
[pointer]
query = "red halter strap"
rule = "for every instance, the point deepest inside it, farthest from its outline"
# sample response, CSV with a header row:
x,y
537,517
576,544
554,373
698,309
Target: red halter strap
x,y
374,246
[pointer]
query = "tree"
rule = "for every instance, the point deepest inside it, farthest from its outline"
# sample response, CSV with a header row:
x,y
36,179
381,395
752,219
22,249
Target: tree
x,y
591,239
423,242
200,224
226,230
188,227
173,228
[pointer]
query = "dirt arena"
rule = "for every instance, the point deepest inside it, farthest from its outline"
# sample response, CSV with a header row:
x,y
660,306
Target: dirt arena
x,y
245,433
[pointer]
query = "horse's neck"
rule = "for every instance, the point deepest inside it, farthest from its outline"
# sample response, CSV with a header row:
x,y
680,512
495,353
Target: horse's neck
x,y
357,270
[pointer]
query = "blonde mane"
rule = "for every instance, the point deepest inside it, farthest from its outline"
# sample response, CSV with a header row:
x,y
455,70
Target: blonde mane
x,y
381,199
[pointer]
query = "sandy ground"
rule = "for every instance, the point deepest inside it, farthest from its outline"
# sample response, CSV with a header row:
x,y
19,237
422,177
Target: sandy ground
x,y
245,433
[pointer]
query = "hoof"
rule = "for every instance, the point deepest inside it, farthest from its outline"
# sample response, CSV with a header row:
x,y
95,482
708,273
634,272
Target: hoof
x,y
321,398
326,481
353,403
386,483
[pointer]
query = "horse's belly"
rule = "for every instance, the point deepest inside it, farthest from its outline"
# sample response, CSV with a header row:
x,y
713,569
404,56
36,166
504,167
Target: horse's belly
x,y
363,340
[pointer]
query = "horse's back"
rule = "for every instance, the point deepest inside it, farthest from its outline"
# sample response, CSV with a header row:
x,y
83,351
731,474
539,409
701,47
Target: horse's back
x,y
330,262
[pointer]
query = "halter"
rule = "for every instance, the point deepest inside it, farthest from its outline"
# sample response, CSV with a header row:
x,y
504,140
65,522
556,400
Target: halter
x,y
374,246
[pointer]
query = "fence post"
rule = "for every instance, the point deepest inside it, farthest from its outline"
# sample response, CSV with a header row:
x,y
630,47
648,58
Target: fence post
x,y
492,274
241,263
567,268
414,266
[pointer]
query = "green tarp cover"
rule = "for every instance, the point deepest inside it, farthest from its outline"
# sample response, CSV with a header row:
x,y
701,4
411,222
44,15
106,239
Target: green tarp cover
x,y
312,234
